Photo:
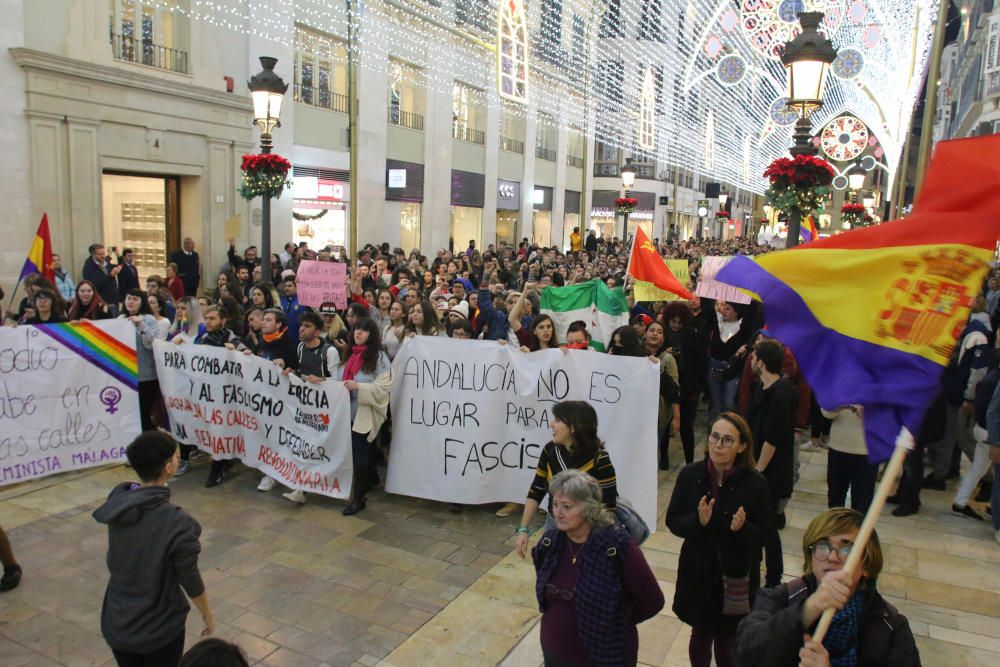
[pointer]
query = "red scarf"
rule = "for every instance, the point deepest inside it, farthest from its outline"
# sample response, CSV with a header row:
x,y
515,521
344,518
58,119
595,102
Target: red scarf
x,y
355,362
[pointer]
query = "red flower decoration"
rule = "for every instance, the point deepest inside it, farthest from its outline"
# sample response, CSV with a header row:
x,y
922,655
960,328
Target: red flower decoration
x,y
852,209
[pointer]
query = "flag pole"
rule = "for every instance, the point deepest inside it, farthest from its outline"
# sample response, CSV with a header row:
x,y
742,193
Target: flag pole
x,y
12,295
904,444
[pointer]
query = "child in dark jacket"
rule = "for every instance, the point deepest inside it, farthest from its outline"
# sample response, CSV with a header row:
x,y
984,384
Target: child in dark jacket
x,y
153,549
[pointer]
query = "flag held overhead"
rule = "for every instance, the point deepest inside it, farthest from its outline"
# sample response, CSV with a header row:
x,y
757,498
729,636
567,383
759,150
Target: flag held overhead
x,y
646,264
40,253
873,314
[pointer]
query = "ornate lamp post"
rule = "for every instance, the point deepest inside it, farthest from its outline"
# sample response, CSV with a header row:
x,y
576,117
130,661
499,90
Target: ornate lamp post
x,y
266,90
807,60
628,180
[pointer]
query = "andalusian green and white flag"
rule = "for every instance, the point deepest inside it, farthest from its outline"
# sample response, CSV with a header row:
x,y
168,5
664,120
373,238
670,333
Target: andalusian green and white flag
x,y
602,308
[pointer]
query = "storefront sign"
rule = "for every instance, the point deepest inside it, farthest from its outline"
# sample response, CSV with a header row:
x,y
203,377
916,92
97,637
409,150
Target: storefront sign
x,y
311,187
508,195
68,397
235,406
470,418
397,178
319,283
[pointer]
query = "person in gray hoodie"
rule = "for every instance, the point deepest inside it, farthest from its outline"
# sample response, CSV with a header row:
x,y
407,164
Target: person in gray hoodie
x,y
153,549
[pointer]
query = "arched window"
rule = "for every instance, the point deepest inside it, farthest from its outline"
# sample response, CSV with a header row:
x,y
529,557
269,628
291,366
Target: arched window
x,y
647,111
512,51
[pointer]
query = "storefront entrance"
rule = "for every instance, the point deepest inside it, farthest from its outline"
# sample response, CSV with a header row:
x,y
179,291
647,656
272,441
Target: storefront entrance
x,y
141,213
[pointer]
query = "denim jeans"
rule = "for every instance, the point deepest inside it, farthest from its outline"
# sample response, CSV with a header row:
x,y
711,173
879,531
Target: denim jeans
x,y
721,390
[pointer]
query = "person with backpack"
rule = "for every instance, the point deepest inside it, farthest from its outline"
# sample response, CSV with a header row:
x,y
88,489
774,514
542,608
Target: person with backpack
x,y
981,458
593,584
866,630
967,367
316,359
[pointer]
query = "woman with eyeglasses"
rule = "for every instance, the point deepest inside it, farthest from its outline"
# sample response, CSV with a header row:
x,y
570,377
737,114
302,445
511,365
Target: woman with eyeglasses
x,y
720,508
866,629
593,584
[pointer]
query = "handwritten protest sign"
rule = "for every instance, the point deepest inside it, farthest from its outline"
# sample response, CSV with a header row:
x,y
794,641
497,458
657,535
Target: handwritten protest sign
x,y
68,397
710,288
470,418
236,406
645,291
318,283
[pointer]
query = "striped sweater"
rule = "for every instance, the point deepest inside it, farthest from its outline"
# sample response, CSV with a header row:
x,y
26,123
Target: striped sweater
x,y
598,467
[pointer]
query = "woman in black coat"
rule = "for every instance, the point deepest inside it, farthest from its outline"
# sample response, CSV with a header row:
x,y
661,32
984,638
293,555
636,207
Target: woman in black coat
x,y
720,508
682,342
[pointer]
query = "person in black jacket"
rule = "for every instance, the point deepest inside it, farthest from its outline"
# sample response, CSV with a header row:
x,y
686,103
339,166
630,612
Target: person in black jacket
x,y
729,331
276,345
188,266
682,342
720,508
217,334
866,631
128,274
772,421
98,271
153,548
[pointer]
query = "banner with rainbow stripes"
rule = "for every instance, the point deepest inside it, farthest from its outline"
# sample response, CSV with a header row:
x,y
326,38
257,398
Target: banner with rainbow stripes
x,y
71,397
99,348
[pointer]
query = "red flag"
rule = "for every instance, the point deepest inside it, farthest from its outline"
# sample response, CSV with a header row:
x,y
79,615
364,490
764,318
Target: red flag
x,y
646,264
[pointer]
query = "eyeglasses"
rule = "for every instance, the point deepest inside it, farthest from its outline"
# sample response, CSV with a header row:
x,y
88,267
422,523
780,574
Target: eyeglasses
x,y
555,591
726,441
822,551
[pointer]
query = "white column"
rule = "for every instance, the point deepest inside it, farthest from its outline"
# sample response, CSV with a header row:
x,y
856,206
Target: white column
x,y
435,214
372,95
19,221
559,191
528,179
491,166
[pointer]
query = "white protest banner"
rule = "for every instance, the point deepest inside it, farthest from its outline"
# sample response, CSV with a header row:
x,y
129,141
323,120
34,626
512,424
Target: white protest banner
x,y
319,283
233,405
710,288
470,418
68,398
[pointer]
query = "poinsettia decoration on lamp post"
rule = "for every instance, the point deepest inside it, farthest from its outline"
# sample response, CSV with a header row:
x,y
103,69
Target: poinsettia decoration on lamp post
x,y
625,205
264,174
856,215
801,182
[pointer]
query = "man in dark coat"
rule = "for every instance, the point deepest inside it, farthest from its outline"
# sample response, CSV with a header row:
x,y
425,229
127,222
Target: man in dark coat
x,y
97,270
772,421
188,266
128,276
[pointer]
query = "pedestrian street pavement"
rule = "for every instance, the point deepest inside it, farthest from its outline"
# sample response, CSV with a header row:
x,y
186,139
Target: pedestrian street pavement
x,y
410,583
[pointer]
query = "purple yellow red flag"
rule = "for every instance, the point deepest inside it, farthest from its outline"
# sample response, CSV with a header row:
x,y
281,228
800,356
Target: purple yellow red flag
x,y
40,253
873,314
808,230
646,264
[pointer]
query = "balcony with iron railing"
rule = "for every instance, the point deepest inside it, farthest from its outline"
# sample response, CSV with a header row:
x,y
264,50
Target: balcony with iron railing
x,y
463,132
511,145
543,153
606,169
320,97
407,119
574,161
141,52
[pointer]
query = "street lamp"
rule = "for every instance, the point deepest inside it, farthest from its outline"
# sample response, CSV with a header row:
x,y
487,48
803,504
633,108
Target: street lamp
x,y
723,198
807,60
702,212
856,179
266,90
628,180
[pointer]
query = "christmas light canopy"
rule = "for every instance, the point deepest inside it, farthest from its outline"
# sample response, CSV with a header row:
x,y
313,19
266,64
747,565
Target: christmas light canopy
x,y
583,66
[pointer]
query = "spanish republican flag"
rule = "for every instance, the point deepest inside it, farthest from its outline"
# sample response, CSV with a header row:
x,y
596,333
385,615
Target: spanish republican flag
x,y
40,253
873,314
646,264
808,230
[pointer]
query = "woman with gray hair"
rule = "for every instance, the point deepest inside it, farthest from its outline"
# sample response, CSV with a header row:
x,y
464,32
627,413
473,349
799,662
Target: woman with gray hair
x,y
592,582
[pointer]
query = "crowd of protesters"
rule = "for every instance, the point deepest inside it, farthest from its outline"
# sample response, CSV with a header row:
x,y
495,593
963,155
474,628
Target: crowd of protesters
x,y
727,507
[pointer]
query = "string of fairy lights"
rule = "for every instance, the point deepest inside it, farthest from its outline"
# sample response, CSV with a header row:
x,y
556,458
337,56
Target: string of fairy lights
x,y
718,80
